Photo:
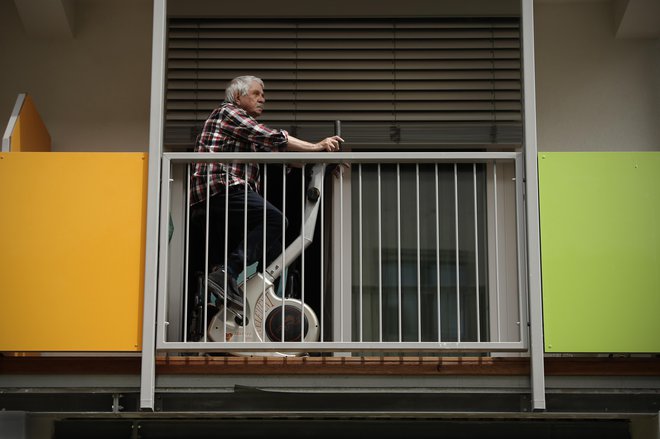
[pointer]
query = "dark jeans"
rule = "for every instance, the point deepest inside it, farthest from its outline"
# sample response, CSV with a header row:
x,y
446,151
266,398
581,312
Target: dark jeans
x,y
237,216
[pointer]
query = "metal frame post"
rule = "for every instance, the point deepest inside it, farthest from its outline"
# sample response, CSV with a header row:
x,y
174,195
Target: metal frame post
x,y
532,209
148,371
9,131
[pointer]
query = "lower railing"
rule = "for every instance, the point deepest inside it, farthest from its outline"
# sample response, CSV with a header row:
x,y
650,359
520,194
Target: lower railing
x,y
389,252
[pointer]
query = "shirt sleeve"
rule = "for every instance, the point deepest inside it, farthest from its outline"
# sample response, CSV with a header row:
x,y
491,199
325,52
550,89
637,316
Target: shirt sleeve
x,y
238,124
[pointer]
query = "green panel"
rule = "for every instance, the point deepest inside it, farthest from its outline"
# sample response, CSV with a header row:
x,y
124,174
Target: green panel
x,y
600,250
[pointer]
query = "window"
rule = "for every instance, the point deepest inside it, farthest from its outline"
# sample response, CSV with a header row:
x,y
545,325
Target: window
x,y
392,82
423,253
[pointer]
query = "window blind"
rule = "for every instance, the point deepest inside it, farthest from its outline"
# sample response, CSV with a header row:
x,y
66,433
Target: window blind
x,y
392,82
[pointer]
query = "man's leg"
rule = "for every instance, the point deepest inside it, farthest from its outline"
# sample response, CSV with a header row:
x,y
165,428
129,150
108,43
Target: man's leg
x,y
251,246
250,243
222,222
204,238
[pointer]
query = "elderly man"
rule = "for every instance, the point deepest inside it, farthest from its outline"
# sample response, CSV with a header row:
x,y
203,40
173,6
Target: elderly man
x,y
233,127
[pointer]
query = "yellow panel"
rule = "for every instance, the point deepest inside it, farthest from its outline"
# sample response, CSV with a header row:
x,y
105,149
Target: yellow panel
x,y
72,228
30,133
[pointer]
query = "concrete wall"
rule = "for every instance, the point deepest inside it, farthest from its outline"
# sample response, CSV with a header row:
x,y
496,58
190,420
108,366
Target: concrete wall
x,y
594,92
92,91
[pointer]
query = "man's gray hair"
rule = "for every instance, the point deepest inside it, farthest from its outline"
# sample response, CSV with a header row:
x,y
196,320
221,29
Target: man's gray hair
x,y
240,85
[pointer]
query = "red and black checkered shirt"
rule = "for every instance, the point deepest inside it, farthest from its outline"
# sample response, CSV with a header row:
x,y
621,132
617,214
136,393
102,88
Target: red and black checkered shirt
x,y
230,129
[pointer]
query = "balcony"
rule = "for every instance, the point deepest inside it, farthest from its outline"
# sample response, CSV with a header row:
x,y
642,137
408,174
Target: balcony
x,y
402,254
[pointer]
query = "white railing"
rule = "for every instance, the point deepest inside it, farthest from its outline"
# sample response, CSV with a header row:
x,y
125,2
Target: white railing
x,y
414,252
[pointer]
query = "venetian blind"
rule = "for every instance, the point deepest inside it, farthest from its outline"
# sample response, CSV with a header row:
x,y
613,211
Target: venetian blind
x,y
392,82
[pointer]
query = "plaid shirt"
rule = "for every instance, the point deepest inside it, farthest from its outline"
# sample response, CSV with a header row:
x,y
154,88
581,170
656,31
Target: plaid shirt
x,y
230,129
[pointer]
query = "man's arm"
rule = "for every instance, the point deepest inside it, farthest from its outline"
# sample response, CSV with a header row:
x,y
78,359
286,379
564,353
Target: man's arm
x,y
236,124
329,144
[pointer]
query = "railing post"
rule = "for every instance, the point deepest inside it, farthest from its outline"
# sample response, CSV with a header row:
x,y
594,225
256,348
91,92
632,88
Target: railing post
x,y
148,371
532,209
341,258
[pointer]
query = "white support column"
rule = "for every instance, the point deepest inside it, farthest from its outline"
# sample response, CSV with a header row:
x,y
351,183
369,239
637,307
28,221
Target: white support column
x,y
148,378
532,208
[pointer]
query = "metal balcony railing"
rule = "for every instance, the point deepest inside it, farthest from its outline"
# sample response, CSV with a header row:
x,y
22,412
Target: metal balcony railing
x,y
392,252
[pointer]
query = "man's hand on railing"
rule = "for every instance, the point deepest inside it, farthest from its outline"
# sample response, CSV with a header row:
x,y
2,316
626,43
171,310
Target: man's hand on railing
x,y
329,144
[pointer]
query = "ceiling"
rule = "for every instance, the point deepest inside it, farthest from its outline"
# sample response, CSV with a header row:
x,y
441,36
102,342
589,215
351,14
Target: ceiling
x,y
56,18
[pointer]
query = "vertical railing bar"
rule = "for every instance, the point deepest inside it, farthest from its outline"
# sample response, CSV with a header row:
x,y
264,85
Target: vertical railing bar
x,y
245,230
476,250
163,252
284,269
361,317
341,252
302,256
263,256
419,262
322,237
380,260
398,236
186,264
206,251
521,252
437,248
458,281
225,257
497,254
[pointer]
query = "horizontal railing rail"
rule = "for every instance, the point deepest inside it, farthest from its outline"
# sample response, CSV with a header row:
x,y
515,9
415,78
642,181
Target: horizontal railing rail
x,y
415,252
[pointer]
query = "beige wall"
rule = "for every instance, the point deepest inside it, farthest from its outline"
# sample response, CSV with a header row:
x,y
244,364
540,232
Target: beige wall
x,y
92,90
594,92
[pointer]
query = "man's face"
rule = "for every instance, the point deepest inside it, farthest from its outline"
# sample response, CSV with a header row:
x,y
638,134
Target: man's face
x,y
253,101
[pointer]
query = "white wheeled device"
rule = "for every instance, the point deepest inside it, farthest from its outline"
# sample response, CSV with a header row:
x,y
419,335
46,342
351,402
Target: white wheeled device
x,y
266,317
